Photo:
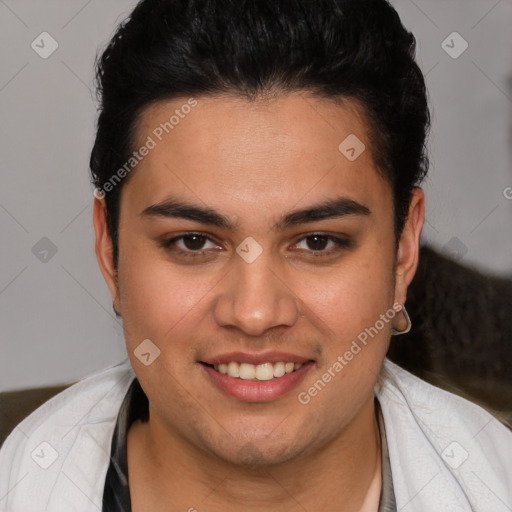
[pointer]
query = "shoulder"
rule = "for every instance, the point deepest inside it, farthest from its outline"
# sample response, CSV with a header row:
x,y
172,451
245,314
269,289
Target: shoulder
x,y
443,447
61,440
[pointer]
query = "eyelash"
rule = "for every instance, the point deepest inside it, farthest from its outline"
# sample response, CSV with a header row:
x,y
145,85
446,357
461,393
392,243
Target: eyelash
x,y
340,244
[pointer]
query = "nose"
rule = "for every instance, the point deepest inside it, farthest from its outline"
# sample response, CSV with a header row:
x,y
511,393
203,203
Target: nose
x,y
254,297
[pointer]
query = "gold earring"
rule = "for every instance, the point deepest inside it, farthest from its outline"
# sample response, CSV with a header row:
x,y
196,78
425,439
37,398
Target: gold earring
x,y
404,323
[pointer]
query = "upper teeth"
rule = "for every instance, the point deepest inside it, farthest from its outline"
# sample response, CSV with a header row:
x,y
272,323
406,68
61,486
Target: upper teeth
x,y
265,371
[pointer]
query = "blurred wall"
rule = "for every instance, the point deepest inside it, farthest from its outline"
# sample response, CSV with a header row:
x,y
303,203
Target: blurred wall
x,y
55,310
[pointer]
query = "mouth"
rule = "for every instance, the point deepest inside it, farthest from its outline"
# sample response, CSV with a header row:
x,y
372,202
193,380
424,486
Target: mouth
x,y
256,378
260,372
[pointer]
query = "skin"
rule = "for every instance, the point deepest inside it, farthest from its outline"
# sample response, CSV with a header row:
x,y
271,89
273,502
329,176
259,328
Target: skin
x,y
254,162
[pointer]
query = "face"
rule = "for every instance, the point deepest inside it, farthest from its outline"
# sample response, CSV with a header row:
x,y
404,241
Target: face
x,y
247,235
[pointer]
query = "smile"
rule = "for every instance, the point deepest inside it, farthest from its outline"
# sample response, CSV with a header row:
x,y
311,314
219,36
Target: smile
x,y
261,382
265,371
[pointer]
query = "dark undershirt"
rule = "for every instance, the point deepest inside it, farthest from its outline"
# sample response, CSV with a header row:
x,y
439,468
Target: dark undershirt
x,y
116,493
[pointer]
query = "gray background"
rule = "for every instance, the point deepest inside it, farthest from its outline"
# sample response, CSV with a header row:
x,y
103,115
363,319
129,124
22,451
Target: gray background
x,y
56,318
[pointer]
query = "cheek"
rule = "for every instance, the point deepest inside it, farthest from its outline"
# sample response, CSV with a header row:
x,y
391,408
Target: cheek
x,y
349,306
354,296
158,300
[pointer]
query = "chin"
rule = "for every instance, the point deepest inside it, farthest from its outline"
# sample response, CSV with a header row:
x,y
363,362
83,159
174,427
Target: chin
x,y
255,451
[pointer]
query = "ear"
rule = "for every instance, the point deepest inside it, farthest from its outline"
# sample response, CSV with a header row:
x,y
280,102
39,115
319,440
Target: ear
x,y
104,248
409,245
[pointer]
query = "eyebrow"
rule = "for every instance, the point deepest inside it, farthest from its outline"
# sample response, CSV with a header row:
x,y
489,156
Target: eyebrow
x,y
328,209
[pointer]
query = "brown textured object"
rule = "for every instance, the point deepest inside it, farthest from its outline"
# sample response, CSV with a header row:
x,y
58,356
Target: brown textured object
x,y
461,336
17,405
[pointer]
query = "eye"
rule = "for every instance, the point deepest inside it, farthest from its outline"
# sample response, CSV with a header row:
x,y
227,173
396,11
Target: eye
x,y
320,244
195,245
189,244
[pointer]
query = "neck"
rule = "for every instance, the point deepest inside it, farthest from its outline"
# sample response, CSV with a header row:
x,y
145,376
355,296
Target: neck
x,y
174,471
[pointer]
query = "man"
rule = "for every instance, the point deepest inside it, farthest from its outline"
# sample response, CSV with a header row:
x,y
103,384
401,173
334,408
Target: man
x,y
258,216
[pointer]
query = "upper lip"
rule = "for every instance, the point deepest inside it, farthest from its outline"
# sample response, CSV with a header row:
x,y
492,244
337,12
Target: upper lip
x,y
259,358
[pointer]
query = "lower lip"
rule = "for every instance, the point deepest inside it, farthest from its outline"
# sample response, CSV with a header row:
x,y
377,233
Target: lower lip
x,y
257,390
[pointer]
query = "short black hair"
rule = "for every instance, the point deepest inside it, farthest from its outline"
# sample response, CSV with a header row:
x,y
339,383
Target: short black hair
x,y
336,49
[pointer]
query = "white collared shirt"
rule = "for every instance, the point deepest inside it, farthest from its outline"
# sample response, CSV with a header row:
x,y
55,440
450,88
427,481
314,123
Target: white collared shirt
x,y
446,454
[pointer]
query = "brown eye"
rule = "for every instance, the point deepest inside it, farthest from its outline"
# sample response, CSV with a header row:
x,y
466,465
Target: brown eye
x,y
317,242
190,245
194,242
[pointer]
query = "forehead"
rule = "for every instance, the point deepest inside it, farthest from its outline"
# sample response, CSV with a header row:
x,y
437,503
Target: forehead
x,y
264,153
